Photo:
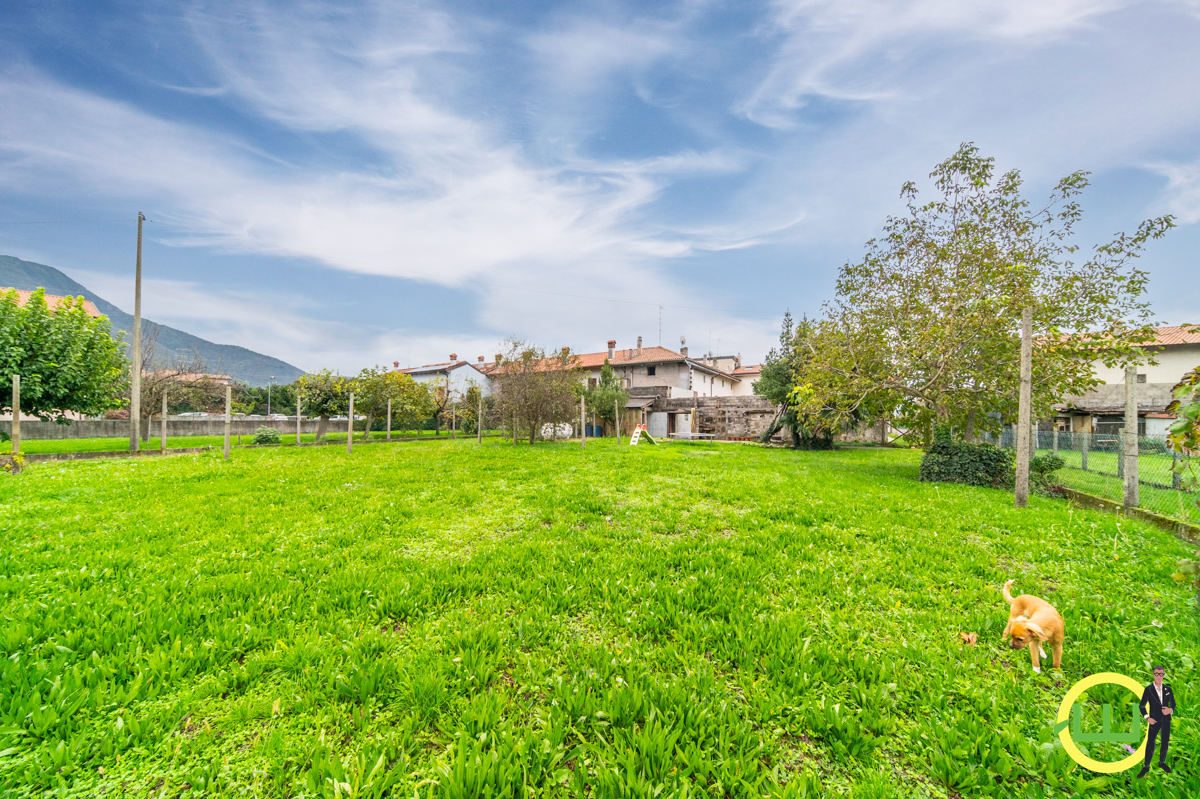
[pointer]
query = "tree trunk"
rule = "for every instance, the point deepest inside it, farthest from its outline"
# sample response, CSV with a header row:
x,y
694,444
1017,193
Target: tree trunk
x,y
532,432
969,431
370,421
321,426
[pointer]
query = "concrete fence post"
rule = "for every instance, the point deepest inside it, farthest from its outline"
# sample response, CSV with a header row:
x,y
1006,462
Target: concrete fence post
x,y
297,417
389,421
479,420
1121,453
350,427
1131,438
1054,439
582,424
617,418
228,416
1083,449
162,443
16,409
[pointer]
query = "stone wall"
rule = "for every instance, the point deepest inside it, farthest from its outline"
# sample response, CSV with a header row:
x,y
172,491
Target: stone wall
x,y
724,417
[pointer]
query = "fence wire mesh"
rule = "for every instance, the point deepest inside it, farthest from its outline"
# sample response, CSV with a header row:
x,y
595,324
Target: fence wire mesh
x,y
1093,464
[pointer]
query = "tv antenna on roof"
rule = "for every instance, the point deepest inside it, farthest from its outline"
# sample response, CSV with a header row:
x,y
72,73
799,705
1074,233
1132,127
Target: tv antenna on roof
x,y
660,325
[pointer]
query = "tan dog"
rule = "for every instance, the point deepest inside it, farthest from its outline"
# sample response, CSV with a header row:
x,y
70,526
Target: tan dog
x,y
1030,622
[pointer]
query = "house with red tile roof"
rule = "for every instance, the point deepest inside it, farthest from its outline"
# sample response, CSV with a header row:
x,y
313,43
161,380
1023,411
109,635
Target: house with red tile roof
x,y
1176,351
659,367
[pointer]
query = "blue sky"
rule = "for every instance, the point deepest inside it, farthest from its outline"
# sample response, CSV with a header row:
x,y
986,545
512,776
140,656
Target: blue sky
x,y
358,183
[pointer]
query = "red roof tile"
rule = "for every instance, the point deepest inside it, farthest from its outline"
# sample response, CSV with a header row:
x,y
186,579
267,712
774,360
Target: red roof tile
x,y
1178,334
52,301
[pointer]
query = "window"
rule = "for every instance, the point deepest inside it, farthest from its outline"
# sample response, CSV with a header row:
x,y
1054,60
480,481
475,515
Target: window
x,y
650,370
1141,378
591,382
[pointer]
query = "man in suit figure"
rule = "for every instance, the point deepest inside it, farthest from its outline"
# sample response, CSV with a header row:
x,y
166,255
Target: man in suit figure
x,y
1157,706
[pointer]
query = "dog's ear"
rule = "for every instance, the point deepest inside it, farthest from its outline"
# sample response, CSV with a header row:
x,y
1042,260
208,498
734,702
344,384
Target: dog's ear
x,y
1036,630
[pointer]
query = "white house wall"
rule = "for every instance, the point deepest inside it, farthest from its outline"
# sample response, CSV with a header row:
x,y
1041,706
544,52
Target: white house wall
x,y
1173,364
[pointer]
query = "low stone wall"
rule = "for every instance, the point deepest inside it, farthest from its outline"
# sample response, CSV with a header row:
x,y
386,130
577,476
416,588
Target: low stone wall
x,y
176,426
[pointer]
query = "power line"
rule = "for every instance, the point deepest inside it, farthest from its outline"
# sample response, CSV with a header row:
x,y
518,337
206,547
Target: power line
x,y
75,222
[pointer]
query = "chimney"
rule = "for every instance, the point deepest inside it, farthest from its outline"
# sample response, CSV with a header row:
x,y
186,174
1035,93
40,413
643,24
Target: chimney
x,y
639,346
683,350
480,359
499,358
396,364
565,351
453,357
612,345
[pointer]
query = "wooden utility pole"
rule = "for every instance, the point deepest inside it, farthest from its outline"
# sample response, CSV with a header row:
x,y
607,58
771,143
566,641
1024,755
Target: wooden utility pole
x,y
582,424
16,409
135,371
389,421
617,418
1025,399
350,436
479,419
228,416
162,444
297,417
1131,437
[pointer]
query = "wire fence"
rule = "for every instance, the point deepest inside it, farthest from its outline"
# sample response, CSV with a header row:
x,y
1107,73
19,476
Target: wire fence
x,y
1094,464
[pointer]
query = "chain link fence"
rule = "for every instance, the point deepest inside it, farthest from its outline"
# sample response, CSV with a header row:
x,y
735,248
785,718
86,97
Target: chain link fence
x,y
1094,464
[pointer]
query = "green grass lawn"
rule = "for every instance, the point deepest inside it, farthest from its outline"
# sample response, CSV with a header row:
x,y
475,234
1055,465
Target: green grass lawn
x,y
451,620
177,442
1154,472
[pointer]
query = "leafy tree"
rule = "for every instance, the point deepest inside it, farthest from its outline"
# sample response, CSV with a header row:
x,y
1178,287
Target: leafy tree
x,y
68,361
534,388
606,396
323,394
1184,434
928,321
807,428
376,385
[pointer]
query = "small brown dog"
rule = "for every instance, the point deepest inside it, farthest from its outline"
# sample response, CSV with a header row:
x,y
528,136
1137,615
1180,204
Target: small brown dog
x,y
1030,622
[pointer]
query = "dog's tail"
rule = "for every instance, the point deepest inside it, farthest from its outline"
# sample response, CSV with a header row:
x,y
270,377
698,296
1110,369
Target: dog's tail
x,y
1007,596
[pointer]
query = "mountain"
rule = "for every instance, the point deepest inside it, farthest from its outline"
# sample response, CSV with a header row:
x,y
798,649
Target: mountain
x,y
238,362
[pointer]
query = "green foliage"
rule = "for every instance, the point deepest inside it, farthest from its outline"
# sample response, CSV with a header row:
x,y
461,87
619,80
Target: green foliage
x,y
267,435
375,386
926,325
67,360
950,461
808,428
606,396
1042,471
324,393
1183,437
448,619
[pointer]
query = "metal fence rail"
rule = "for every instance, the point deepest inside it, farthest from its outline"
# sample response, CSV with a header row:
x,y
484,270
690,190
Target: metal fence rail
x,y
1094,464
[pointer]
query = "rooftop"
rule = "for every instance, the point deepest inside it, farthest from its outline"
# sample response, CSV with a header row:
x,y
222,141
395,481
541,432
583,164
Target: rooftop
x,y
52,301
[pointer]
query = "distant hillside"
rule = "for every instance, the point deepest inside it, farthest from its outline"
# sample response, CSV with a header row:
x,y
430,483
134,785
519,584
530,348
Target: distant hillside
x,y
243,364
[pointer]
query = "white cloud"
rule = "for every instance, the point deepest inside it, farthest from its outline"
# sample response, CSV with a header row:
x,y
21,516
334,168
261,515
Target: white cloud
x,y
1182,191
851,49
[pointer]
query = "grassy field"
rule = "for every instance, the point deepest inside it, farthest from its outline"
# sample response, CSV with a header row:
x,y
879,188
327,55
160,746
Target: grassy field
x,y
450,620
1154,472
179,442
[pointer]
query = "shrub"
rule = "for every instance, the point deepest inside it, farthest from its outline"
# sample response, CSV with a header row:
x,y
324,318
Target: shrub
x,y
266,435
1041,473
970,464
